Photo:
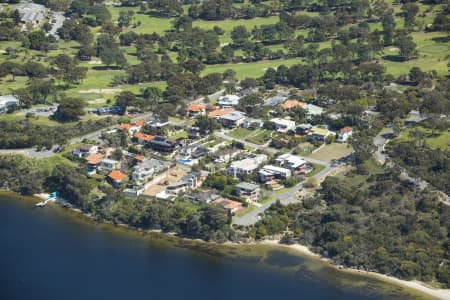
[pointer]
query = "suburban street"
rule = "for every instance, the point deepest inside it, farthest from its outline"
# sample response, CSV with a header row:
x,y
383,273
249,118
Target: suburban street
x,y
286,198
380,141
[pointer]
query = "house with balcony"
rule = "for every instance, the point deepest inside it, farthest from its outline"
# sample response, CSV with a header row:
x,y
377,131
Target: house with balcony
x,y
282,125
270,172
247,165
232,119
295,163
248,191
344,134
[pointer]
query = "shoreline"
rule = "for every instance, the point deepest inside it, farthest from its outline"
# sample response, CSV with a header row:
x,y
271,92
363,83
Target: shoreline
x,y
301,249
415,284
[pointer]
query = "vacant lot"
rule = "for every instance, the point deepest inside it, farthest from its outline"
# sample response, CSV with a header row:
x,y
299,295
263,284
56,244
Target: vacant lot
x,y
240,133
260,138
172,175
332,151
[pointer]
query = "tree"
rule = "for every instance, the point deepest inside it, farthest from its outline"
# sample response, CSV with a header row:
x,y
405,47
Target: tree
x,y
37,39
409,13
239,35
111,56
67,69
194,66
70,109
124,99
152,93
125,18
407,47
101,14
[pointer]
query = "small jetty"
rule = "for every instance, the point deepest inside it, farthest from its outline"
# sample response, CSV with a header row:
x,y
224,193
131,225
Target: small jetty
x,y
51,198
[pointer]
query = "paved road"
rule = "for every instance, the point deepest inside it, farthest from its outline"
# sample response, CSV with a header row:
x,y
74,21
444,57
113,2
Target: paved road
x,y
32,152
59,17
286,198
95,136
380,141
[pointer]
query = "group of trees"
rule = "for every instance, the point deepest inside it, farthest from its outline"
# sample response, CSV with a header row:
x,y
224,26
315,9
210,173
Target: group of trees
x,y
24,134
383,225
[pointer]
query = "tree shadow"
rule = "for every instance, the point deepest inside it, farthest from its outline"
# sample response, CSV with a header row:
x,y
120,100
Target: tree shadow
x,y
441,39
394,58
104,68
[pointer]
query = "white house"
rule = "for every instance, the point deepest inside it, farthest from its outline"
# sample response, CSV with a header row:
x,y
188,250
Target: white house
x,y
247,165
146,169
283,125
232,119
270,172
250,122
344,134
109,164
228,101
295,163
6,102
85,150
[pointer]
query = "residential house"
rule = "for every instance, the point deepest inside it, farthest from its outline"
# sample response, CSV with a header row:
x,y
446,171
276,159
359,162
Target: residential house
x,y
133,127
195,109
142,138
290,104
143,171
283,125
195,132
344,134
303,129
233,119
116,178
228,204
6,102
85,150
270,172
109,164
250,123
205,196
249,191
313,110
318,134
225,155
247,165
93,161
295,163
274,101
194,150
228,101
217,113
188,182
162,144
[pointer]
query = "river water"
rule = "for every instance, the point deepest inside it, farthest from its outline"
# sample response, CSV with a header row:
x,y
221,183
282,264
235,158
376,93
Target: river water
x,y
52,253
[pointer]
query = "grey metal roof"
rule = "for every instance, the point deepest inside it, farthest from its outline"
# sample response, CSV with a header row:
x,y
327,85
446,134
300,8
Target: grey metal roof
x,y
247,186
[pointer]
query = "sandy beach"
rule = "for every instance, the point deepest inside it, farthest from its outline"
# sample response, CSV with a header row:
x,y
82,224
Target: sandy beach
x,y
443,294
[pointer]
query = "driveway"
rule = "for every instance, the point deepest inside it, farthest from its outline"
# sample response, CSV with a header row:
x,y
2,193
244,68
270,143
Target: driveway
x,y
380,141
286,198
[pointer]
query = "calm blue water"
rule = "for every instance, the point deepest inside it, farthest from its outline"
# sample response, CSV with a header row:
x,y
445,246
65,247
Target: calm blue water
x,y
50,254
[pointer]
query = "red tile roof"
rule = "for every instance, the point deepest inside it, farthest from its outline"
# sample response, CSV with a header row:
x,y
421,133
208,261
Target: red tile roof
x,y
196,107
143,136
292,103
139,157
94,159
140,123
220,112
346,129
117,175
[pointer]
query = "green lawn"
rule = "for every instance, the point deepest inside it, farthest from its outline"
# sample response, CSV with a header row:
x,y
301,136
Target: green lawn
x,y
332,151
179,134
240,133
261,137
440,139
254,69
317,169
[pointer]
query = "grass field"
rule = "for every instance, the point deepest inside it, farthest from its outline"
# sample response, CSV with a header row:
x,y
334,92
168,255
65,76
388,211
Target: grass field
x,y
240,133
332,151
440,139
317,169
254,69
261,137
